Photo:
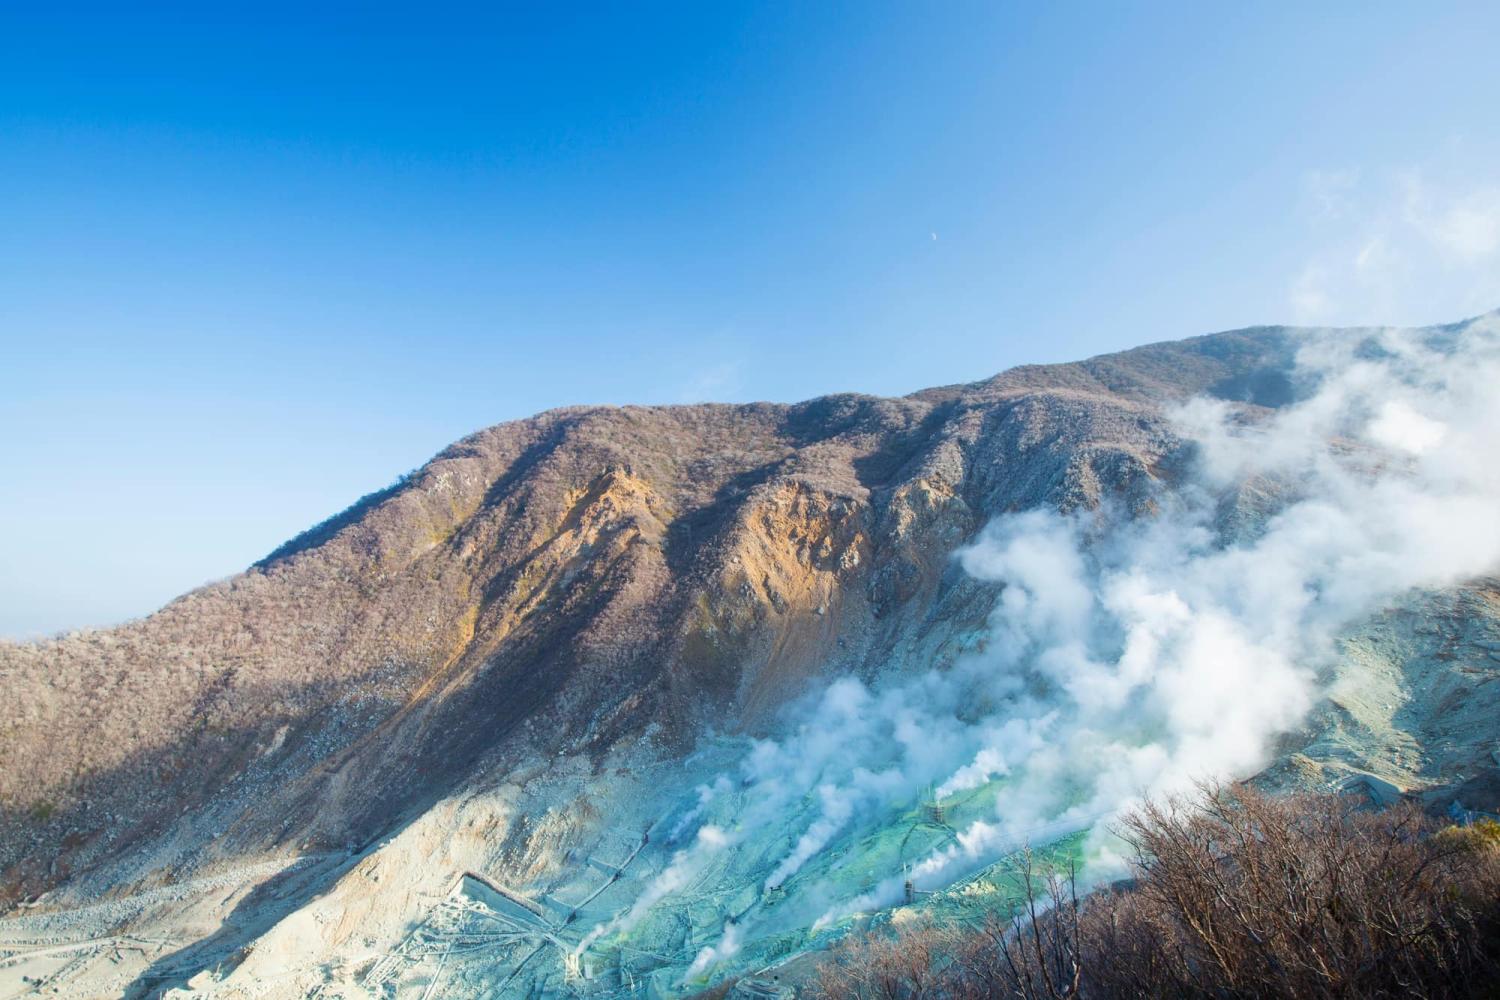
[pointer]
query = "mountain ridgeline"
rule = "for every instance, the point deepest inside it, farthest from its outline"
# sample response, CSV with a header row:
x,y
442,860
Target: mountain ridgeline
x,y
556,603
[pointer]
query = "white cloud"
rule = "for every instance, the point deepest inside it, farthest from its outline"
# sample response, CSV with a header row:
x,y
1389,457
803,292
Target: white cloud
x,y
1404,247
1464,225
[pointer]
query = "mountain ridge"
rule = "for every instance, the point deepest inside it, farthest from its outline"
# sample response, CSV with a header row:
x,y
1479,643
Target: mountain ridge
x,y
597,587
826,444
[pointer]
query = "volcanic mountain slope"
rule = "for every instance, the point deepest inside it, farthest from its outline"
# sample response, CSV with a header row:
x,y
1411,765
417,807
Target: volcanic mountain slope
x,y
563,582
487,664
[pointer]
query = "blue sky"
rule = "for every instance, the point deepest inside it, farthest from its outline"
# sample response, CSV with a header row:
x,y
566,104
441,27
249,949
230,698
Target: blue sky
x,y
256,263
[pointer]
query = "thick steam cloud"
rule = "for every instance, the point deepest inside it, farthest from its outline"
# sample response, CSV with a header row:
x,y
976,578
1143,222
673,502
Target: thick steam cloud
x,y
1132,656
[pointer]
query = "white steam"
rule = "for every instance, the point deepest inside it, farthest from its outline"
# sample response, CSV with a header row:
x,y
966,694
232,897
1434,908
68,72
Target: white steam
x,y
1131,657
685,865
728,947
1157,652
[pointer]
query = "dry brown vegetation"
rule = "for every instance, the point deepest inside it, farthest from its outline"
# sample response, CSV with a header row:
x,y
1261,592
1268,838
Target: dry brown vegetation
x,y
1243,895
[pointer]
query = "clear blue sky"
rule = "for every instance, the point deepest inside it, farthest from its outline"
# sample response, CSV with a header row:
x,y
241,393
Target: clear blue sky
x,y
255,264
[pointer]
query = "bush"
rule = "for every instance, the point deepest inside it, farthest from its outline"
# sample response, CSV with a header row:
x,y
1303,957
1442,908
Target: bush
x,y
1238,895
1479,837
910,966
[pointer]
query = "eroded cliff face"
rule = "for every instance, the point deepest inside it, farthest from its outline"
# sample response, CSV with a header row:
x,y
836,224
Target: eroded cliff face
x,y
485,665
562,583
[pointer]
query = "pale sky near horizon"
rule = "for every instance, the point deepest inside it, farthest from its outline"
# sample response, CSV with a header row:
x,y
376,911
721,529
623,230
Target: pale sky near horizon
x,y
255,264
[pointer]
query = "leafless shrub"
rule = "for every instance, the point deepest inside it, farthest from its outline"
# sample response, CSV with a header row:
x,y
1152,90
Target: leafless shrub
x,y
1236,894
1034,956
1244,894
907,966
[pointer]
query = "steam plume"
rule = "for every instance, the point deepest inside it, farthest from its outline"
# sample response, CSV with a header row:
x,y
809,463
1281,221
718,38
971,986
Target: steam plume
x,y
1129,657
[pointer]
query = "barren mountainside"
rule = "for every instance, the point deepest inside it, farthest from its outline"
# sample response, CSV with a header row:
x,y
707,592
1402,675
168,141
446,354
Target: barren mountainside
x,y
577,598
568,581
